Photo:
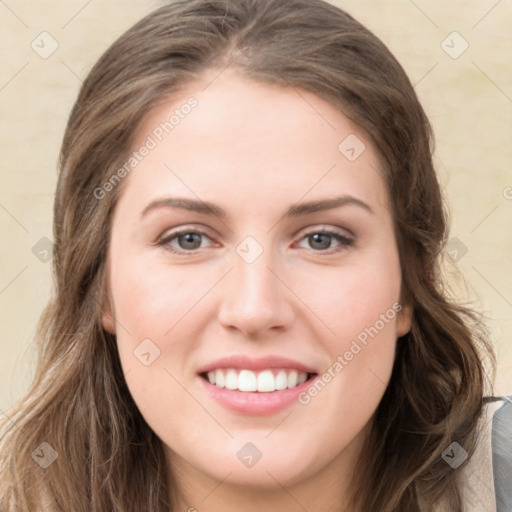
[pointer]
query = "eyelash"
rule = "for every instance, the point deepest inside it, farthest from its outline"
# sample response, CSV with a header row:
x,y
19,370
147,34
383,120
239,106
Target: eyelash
x,y
343,240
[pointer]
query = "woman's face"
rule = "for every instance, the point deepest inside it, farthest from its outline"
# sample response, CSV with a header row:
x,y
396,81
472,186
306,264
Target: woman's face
x,y
253,247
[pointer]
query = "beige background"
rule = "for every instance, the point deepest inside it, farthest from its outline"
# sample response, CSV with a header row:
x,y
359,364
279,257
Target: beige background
x,y
468,99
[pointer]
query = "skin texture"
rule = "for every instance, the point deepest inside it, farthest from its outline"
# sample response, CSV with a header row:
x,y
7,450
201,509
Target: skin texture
x,y
255,150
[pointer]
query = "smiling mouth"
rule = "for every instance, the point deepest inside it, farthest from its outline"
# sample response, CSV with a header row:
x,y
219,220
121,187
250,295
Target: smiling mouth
x,y
265,381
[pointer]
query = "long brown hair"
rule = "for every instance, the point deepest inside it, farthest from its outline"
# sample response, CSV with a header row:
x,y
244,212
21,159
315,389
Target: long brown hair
x,y
107,457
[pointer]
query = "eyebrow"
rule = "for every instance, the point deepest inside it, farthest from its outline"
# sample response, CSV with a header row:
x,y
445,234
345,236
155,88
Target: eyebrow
x,y
295,210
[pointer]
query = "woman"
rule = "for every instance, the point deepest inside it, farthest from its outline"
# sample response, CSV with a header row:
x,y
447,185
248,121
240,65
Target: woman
x,y
249,310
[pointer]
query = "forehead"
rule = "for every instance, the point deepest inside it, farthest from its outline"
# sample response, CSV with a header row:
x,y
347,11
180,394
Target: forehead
x,y
227,136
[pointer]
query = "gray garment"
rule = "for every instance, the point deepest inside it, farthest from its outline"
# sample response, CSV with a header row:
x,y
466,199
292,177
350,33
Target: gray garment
x,y
486,478
501,441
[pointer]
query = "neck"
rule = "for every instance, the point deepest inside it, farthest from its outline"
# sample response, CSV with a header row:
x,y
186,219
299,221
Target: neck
x,y
207,495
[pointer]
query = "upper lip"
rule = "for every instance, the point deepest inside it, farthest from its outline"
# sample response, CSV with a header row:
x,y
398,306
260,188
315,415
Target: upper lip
x,y
256,364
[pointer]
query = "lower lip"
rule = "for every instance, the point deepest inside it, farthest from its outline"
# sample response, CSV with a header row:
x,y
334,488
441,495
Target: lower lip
x,y
254,403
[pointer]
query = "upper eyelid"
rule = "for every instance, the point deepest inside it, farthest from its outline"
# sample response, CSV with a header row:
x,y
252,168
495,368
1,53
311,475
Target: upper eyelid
x,y
165,240
343,239
180,231
304,232
322,228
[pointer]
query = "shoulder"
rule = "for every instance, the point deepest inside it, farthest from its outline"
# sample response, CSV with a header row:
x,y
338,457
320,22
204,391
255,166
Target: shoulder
x,y
501,446
487,478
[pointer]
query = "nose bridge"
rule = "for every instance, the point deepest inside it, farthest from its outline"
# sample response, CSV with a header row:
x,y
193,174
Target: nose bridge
x,y
253,298
256,279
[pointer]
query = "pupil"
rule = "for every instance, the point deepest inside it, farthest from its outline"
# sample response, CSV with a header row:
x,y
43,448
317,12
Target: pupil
x,y
190,241
320,241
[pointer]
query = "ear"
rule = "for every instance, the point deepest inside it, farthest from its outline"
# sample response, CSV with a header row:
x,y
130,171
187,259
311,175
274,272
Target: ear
x,y
404,320
107,317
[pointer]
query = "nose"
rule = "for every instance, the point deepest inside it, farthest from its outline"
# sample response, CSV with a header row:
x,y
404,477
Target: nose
x,y
254,300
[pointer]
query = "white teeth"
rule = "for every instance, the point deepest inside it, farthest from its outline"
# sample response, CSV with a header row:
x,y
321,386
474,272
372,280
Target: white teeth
x,y
292,379
231,379
247,381
302,378
265,381
219,379
282,380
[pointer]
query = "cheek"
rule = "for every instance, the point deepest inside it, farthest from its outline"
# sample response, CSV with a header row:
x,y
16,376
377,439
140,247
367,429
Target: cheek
x,y
151,300
160,317
354,297
359,308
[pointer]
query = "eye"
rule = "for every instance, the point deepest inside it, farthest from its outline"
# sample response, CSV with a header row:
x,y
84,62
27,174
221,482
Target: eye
x,y
185,241
323,240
